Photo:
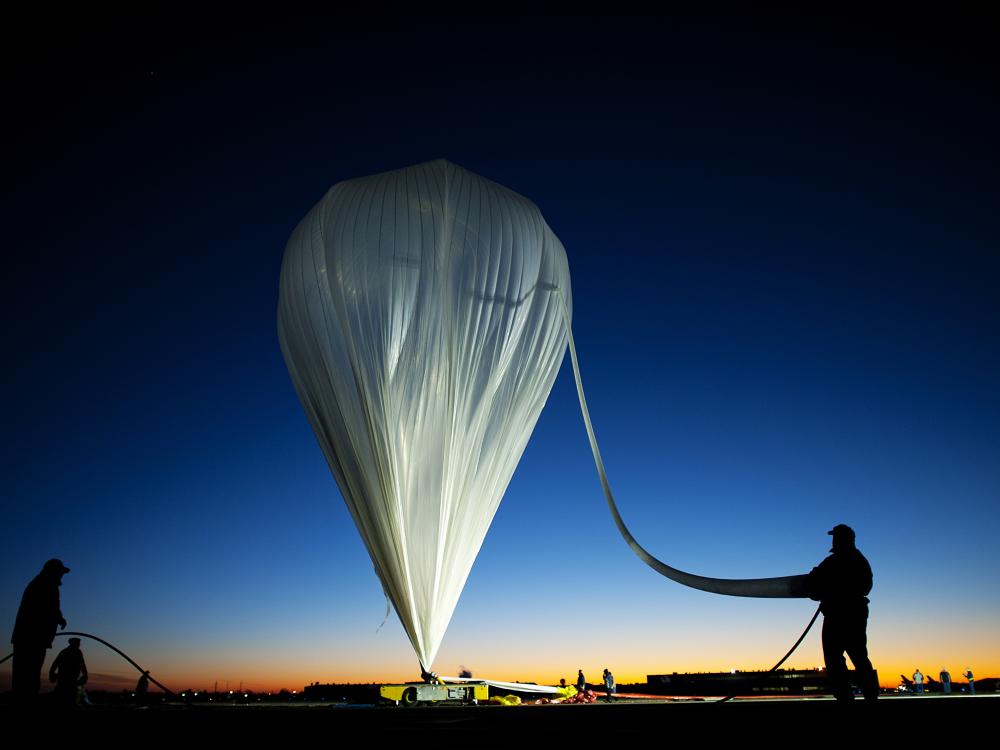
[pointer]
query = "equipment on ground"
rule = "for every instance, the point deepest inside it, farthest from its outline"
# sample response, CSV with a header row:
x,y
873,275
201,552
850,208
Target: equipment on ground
x,y
414,693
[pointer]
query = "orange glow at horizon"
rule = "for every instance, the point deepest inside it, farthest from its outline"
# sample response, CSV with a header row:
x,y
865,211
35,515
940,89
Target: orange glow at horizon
x,y
261,679
631,650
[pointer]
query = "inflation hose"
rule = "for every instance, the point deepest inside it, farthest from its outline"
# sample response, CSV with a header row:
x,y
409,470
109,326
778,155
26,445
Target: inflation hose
x,y
782,659
783,587
118,651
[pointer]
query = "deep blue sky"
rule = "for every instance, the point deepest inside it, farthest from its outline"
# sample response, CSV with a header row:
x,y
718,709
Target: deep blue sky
x,y
782,234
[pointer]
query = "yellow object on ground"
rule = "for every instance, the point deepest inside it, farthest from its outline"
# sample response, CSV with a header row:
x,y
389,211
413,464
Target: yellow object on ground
x,y
505,700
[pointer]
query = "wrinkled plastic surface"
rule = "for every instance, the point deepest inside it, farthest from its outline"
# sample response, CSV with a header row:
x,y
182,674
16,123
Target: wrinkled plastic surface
x,y
422,328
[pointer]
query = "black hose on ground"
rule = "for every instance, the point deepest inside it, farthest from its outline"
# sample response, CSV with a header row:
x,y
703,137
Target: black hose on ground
x,y
126,657
782,660
118,651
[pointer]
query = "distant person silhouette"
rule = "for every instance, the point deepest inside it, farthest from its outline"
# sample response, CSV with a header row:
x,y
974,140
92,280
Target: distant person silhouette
x,y
945,681
841,584
35,627
581,681
609,683
967,674
68,672
918,681
142,689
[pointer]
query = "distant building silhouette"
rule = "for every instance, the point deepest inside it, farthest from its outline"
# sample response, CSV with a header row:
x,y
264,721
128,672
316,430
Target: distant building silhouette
x,y
778,682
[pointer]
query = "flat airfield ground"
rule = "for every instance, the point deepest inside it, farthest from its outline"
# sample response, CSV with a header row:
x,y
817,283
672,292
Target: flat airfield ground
x,y
775,721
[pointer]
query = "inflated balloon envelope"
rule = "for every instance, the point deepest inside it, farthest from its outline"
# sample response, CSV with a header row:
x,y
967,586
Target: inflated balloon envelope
x,y
421,318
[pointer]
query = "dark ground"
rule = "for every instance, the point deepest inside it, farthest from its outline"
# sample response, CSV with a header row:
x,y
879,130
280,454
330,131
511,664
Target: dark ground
x,y
775,722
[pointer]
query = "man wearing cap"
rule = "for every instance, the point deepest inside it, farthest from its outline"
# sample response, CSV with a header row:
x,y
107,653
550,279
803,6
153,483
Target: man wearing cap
x,y
841,584
35,627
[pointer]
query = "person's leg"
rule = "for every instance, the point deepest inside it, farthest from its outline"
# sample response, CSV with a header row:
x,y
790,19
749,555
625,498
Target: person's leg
x,y
26,670
856,645
833,655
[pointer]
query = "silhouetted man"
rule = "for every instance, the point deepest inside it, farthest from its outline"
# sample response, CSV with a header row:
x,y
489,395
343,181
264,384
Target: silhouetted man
x,y
841,584
142,689
35,627
68,672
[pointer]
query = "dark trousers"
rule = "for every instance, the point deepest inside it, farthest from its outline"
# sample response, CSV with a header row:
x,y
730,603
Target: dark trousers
x,y
847,631
26,679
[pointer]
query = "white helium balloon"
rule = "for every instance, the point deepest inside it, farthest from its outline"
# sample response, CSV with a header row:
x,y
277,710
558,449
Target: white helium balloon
x,y
421,318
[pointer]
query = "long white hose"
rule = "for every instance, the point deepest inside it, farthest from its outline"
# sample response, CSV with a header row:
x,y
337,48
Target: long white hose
x,y
789,587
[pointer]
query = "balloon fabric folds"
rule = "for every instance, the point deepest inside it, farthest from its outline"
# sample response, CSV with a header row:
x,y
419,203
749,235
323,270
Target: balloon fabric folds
x,y
421,319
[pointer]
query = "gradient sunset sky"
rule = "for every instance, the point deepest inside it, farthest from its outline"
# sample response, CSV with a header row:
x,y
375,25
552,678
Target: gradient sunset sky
x,y
782,232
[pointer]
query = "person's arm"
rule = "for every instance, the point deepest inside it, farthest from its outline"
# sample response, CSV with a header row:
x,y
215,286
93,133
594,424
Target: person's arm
x,y
52,609
817,581
867,579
